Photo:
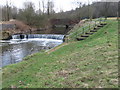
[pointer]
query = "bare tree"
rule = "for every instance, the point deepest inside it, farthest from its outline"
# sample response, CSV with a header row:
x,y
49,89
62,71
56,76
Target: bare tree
x,y
14,12
79,6
106,6
89,9
39,8
50,6
117,9
29,12
7,13
43,6
79,13
91,12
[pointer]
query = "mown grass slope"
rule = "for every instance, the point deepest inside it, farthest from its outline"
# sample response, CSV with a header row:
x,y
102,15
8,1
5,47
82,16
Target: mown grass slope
x,y
86,64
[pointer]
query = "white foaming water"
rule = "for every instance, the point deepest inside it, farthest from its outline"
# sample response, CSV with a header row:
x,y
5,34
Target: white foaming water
x,y
42,36
45,38
41,40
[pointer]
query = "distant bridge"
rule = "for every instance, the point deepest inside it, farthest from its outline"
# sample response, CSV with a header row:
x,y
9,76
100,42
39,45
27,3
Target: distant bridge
x,y
67,23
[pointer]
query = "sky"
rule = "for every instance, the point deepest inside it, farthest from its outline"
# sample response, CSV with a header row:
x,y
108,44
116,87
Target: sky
x,y
64,5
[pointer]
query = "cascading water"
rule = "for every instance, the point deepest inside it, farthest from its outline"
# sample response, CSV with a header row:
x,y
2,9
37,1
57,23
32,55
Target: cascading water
x,y
42,36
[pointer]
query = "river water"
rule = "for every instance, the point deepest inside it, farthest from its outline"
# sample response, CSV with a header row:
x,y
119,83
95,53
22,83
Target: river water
x,y
14,50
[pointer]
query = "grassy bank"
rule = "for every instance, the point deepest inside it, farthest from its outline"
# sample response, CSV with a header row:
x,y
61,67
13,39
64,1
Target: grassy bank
x,y
89,63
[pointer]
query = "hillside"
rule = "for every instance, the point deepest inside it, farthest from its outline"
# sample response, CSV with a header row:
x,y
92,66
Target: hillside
x,y
91,63
96,9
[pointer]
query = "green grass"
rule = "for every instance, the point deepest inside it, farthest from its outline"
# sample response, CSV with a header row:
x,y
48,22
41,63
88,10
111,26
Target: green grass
x,y
85,64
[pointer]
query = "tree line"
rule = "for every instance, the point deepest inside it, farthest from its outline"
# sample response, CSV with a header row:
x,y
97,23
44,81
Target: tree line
x,y
41,17
90,11
28,13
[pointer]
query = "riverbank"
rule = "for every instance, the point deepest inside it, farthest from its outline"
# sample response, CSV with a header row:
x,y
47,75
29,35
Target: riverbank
x,y
13,27
91,63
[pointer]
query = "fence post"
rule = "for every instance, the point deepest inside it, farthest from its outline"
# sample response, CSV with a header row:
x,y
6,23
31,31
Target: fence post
x,y
67,38
95,23
83,29
104,20
76,34
100,20
89,26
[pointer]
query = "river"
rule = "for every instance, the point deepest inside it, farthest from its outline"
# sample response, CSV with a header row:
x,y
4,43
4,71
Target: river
x,y
14,50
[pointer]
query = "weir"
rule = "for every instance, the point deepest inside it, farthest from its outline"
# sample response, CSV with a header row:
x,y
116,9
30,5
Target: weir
x,y
21,45
41,36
